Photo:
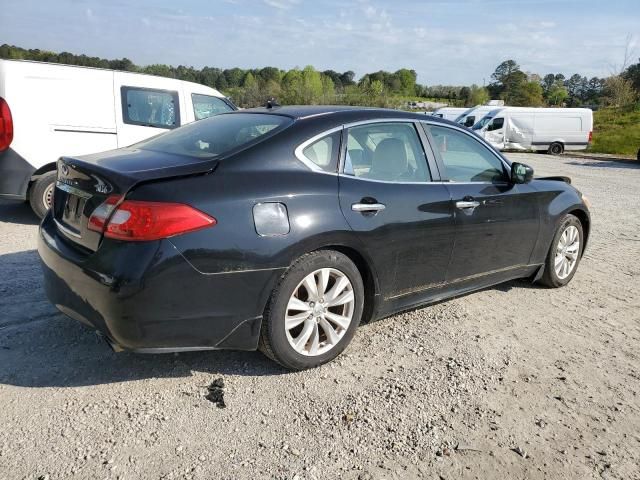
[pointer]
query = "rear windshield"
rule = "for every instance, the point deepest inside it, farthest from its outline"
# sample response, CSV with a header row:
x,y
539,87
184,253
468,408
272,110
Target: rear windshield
x,y
217,135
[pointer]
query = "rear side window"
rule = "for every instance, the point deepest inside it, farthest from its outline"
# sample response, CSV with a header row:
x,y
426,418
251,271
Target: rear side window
x,y
324,152
217,135
150,108
205,106
388,152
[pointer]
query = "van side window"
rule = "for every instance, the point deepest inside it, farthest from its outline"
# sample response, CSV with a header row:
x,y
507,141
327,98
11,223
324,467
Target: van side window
x,y
205,106
465,158
150,108
497,124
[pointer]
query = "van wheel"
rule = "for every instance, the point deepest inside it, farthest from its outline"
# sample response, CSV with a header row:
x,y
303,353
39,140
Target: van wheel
x,y
556,148
41,193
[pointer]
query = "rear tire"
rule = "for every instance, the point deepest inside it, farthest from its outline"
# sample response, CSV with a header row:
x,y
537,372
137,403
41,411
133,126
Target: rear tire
x,y
568,241
556,148
332,327
41,193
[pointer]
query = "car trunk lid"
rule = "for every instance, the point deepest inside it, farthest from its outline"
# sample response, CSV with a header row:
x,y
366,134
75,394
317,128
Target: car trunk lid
x,y
84,183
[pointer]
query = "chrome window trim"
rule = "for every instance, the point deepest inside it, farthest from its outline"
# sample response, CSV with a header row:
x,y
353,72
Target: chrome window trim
x,y
315,168
298,152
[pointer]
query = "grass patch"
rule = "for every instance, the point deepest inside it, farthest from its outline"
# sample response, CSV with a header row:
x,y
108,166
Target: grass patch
x,y
616,131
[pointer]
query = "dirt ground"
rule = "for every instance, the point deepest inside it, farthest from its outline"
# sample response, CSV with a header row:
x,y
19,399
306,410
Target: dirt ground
x,y
512,382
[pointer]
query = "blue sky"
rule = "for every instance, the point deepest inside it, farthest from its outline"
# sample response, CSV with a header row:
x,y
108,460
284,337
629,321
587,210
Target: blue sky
x,y
445,41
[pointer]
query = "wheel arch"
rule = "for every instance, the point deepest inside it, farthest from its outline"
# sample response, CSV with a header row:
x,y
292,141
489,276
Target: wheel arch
x,y
585,221
369,278
49,167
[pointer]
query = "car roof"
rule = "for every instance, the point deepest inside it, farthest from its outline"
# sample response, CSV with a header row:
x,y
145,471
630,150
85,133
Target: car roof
x,y
340,113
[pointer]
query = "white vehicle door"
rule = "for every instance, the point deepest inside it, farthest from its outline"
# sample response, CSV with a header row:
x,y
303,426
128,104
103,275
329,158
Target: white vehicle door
x,y
494,132
146,106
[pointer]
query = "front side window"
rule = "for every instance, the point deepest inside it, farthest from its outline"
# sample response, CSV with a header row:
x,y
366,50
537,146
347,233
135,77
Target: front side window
x,y
482,122
465,158
217,135
496,124
389,152
205,106
150,108
324,152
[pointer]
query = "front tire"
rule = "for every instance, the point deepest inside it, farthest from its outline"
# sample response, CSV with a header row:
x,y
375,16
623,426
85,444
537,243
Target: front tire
x,y
314,311
564,254
41,193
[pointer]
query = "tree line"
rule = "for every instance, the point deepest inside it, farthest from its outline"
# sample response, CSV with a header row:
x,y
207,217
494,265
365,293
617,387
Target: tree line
x,y
251,87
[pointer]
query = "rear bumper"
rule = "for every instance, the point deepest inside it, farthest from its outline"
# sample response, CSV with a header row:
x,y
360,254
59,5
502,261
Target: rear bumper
x,y
15,174
147,297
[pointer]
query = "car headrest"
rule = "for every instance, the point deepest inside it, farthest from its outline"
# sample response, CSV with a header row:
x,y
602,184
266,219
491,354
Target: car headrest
x,y
390,158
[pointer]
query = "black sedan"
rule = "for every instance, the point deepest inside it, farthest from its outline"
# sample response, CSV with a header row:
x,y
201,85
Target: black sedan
x,y
283,228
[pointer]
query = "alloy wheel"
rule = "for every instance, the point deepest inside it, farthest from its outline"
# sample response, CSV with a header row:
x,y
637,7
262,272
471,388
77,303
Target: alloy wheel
x,y
319,312
567,252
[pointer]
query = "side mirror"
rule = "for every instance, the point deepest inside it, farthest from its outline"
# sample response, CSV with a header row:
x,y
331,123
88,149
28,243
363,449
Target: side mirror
x,y
521,173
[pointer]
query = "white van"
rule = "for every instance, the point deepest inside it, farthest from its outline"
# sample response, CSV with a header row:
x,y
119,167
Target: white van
x,y
449,113
553,130
469,117
49,110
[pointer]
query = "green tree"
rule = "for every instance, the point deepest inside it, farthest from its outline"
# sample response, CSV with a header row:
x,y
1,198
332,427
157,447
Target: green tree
x,y
478,95
632,74
557,93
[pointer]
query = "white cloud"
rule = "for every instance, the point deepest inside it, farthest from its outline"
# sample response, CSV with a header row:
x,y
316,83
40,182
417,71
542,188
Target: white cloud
x,y
281,4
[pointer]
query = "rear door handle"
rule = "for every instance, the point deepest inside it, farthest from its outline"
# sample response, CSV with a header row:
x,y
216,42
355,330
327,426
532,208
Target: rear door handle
x,y
368,207
462,205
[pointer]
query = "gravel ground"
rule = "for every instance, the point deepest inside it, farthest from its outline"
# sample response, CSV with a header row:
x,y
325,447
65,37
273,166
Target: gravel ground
x,y
511,382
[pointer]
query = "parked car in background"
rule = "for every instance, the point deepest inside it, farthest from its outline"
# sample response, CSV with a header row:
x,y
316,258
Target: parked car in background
x,y
49,110
553,130
449,113
283,228
469,117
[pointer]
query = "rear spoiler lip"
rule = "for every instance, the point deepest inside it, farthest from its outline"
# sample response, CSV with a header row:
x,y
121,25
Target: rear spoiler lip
x,y
127,181
557,178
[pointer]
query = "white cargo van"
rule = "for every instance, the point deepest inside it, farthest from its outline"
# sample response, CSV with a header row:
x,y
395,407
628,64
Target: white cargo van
x,y
449,113
469,117
544,129
49,110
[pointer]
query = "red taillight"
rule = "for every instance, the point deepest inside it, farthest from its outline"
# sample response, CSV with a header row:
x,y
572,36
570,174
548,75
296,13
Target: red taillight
x,y
6,125
590,137
140,221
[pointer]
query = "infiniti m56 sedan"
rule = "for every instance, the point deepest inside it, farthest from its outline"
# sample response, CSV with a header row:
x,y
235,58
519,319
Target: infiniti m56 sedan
x,y
281,229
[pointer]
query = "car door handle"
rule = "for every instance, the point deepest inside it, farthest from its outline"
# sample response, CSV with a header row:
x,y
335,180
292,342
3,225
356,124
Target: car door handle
x,y
368,207
467,204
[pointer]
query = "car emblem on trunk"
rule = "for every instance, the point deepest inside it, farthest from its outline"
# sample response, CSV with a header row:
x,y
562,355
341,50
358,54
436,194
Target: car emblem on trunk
x,y
101,186
64,169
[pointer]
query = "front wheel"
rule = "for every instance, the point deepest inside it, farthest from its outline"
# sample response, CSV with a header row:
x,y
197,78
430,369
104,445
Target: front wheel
x,y
41,193
565,253
314,311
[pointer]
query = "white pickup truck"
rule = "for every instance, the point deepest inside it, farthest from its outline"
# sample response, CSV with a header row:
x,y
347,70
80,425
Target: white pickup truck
x,y
49,110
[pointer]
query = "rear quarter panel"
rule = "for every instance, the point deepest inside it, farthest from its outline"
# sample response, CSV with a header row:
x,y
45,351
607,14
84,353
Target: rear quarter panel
x,y
233,245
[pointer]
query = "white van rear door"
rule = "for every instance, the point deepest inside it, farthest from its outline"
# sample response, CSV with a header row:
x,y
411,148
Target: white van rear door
x,y
146,106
